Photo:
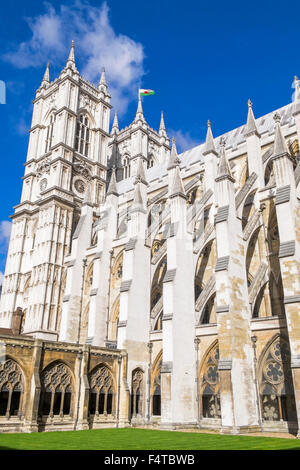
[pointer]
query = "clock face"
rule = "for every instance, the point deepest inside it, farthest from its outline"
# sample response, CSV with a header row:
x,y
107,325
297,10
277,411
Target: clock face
x,y
43,184
79,185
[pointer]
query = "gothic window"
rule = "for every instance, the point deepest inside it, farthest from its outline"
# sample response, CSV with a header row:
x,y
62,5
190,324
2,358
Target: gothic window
x,y
49,133
82,138
210,385
126,167
11,388
156,389
57,388
150,162
137,392
276,383
101,391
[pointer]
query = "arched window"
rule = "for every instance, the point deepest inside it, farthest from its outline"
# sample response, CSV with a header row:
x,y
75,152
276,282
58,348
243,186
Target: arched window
x,y
150,162
137,392
11,389
101,391
126,167
49,133
82,138
156,389
276,383
210,385
57,388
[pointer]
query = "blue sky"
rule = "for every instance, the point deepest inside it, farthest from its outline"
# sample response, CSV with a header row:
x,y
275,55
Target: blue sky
x,y
203,59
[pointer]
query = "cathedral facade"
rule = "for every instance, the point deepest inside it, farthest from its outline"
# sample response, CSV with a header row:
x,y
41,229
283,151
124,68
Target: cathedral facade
x,y
143,288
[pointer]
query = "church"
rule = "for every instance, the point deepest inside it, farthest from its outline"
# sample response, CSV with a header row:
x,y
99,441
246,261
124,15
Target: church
x,y
146,288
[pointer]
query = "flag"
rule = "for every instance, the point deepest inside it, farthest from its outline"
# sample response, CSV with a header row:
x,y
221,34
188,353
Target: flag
x,y
143,92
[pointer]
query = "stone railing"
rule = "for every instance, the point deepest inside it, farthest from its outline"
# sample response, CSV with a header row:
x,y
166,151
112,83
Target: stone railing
x,y
252,223
157,307
205,294
159,253
259,279
198,244
243,192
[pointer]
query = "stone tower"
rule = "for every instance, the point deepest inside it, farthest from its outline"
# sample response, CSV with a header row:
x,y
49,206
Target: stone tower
x,y
67,152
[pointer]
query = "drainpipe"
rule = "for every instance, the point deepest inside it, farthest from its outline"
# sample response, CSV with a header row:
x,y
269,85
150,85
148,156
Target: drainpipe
x,y
254,340
80,356
84,261
119,389
108,300
150,346
197,342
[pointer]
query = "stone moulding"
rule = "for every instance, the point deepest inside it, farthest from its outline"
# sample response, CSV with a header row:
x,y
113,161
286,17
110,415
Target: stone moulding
x,y
222,308
295,361
166,367
283,194
222,214
130,244
222,264
170,275
125,286
122,324
93,292
291,299
286,249
225,364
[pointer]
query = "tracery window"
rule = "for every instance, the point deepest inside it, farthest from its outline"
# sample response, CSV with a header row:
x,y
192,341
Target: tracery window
x,y
57,388
49,134
276,383
82,137
210,385
11,389
101,391
137,392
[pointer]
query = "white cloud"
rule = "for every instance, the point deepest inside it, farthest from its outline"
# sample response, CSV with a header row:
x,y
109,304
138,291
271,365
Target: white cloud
x,y
184,141
96,43
5,229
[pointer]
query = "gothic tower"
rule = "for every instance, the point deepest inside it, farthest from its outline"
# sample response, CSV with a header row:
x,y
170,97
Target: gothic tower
x,y
67,151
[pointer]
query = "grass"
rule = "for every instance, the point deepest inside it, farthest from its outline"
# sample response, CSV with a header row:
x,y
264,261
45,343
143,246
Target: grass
x,y
140,439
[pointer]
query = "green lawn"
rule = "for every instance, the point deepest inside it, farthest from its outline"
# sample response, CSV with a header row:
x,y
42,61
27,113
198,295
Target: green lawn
x,y
134,439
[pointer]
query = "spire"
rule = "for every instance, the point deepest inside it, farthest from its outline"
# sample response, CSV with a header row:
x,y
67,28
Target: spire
x,y
296,107
71,59
102,83
250,128
224,168
162,128
173,157
140,172
46,77
209,142
138,203
177,188
280,146
112,187
139,111
115,126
